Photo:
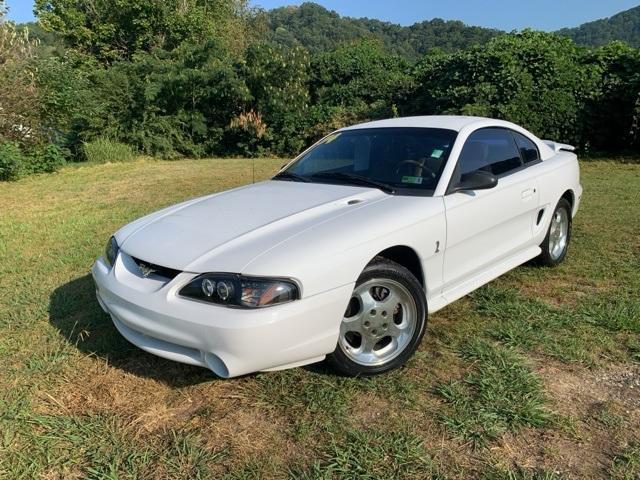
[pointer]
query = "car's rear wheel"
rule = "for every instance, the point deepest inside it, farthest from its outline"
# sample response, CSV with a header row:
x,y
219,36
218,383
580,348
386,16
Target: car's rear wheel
x,y
383,323
556,243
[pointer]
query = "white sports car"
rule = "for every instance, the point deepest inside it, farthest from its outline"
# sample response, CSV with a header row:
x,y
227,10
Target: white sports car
x,y
345,251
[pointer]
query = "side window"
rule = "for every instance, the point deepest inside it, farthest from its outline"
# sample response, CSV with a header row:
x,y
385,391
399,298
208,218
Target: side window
x,y
527,148
490,149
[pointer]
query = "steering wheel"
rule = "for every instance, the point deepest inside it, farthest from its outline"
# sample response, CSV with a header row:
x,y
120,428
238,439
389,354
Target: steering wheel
x,y
417,163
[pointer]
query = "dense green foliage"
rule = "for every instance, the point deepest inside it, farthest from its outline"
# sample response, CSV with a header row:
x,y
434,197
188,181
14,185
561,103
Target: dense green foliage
x,y
624,26
11,161
116,29
194,78
533,79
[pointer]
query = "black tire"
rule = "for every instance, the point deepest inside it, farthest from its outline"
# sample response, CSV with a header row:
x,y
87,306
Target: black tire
x,y
381,268
546,258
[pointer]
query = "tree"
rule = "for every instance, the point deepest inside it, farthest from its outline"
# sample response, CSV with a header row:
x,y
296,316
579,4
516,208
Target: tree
x,y
534,79
19,105
613,115
278,79
361,76
112,30
169,104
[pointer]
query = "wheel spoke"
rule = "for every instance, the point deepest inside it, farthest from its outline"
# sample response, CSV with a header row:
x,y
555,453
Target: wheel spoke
x,y
368,302
350,325
395,331
367,344
391,301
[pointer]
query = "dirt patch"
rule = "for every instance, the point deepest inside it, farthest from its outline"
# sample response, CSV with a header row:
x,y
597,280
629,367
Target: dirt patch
x,y
368,409
597,414
250,432
574,388
623,382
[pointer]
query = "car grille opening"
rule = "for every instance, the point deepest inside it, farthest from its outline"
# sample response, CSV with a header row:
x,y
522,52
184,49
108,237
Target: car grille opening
x,y
153,269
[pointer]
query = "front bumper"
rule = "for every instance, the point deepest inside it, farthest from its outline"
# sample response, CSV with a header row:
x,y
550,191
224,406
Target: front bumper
x,y
228,341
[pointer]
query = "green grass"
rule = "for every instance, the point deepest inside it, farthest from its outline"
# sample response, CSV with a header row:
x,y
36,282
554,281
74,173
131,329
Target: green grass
x,y
372,454
588,333
499,393
99,446
527,378
521,474
626,465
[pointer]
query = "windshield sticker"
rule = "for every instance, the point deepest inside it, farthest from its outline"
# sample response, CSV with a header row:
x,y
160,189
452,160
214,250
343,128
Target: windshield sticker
x,y
413,180
437,153
331,138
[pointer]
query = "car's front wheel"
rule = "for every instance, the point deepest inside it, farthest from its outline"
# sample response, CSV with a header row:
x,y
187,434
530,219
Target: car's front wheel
x,y
383,323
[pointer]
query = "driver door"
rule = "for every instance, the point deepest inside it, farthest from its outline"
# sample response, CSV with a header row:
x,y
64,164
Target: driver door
x,y
485,227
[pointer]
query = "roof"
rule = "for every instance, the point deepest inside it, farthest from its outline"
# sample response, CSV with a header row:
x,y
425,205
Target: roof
x,y
449,122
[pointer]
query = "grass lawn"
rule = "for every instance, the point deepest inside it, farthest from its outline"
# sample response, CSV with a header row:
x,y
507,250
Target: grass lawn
x,y
534,376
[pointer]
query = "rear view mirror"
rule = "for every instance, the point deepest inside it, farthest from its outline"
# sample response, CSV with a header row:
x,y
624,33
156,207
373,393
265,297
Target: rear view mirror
x,y
478,180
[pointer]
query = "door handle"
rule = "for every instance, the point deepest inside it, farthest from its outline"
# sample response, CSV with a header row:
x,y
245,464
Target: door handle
x,y
528,193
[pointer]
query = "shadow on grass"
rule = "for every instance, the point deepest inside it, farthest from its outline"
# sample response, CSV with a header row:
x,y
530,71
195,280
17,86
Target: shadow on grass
x,y
75,312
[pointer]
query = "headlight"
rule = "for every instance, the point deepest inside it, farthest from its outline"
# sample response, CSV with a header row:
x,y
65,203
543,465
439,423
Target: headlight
x,y
111,251
239,291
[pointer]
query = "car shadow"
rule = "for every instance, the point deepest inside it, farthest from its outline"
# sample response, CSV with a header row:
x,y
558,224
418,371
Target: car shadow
x,y
74,311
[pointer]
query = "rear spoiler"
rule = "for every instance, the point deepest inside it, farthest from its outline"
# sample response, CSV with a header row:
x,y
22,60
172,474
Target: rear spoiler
x,y
560,147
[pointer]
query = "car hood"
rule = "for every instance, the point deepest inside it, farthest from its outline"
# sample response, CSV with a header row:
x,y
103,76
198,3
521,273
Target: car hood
x,y
261,216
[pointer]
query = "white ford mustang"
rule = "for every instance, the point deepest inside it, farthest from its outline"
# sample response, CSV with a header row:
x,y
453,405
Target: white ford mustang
x,y
344,252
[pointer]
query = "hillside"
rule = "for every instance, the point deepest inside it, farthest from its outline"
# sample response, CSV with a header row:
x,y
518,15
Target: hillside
x,y
624,26
319,29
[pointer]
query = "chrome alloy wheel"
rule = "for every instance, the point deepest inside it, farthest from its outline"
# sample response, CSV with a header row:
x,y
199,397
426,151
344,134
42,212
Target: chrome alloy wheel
x,y
379,322
558,233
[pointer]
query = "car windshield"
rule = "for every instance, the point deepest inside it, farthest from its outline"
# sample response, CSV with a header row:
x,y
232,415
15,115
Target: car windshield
x,y
396,160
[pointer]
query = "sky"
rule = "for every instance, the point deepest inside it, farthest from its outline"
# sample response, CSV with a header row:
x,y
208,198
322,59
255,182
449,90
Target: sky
x,y
502,14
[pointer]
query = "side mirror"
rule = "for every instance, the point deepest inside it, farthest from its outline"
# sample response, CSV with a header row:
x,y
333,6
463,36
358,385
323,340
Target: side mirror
x,y
478,180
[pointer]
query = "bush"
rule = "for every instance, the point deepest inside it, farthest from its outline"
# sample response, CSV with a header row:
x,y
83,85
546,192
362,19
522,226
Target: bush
x,y
535,79
11,161
45,160
107,151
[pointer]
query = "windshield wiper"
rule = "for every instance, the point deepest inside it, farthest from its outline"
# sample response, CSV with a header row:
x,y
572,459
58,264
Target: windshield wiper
x,y
290,176
355,179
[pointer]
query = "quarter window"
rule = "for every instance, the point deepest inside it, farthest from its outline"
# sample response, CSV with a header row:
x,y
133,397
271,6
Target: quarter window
x,y
528,149
489,149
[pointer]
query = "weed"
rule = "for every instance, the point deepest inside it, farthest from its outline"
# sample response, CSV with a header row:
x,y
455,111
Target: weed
x,y
107,151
